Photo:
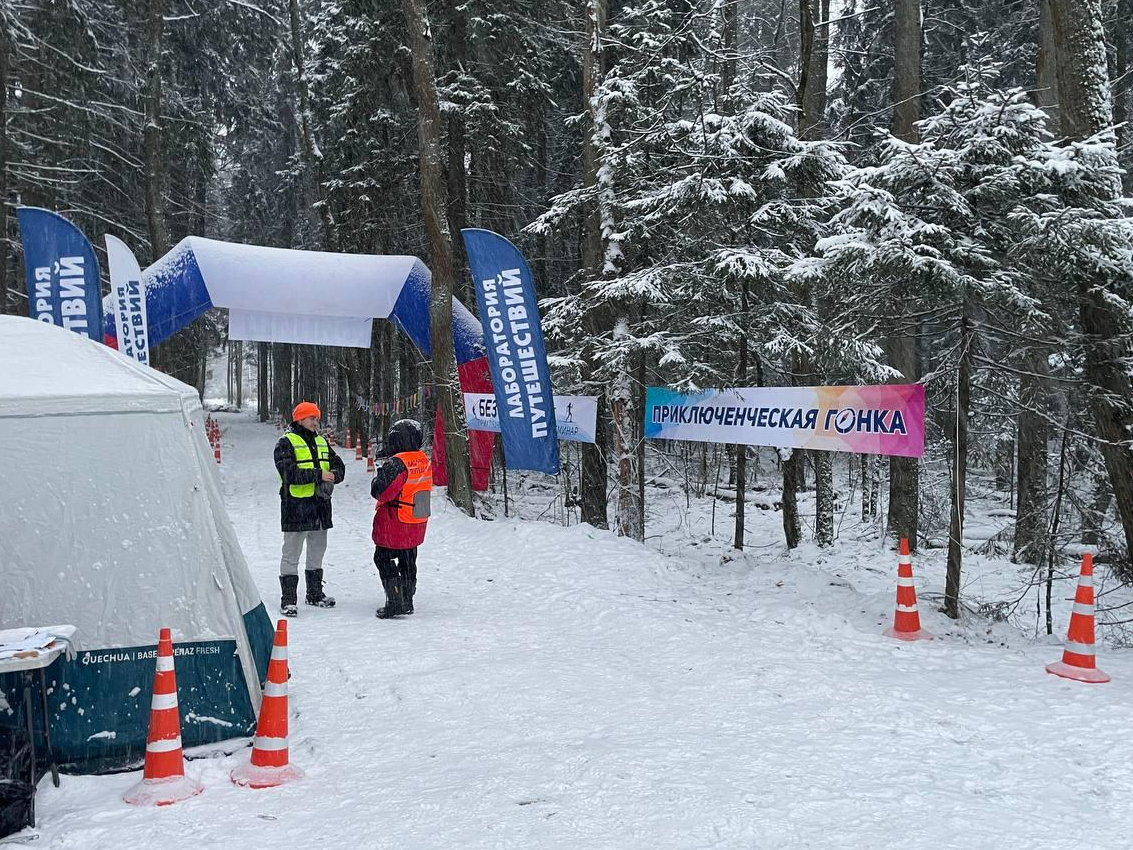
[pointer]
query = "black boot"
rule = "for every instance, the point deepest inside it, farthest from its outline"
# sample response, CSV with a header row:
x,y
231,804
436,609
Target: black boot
x,y
315,595
393,606
289,600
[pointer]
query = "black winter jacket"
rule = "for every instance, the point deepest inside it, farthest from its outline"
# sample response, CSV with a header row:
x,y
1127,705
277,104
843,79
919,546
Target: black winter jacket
x,y
304,514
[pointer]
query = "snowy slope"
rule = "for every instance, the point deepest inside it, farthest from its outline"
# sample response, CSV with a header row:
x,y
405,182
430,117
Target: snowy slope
x,y
561,688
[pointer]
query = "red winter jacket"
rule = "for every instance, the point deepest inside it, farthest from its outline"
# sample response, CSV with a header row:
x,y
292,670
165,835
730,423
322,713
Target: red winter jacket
x,y
389,531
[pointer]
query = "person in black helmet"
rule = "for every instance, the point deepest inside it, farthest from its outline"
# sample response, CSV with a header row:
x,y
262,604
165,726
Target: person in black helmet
x,y
402,487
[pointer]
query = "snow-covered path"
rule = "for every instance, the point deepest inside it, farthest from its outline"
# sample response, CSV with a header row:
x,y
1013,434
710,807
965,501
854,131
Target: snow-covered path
x,y
561,688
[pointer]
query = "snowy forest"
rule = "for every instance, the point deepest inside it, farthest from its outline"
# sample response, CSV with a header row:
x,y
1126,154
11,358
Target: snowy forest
x,y
712,193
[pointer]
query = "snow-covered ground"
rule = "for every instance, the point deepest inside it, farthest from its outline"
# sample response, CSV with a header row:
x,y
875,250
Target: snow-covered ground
x,y
561,688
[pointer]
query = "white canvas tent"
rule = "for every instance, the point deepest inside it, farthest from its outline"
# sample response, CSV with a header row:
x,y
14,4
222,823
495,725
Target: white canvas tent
x,y
112,519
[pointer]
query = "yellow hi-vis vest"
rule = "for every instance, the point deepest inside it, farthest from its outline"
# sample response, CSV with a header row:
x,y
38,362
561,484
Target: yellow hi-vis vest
x,y
303,460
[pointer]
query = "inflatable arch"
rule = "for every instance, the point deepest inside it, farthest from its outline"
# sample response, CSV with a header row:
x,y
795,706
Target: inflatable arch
x,y
312,297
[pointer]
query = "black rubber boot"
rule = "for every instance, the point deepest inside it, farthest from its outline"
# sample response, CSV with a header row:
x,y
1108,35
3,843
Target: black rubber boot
x,y
393,606
289,598
315,595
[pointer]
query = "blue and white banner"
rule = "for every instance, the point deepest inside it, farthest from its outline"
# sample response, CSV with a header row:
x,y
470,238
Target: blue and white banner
x,y
517,358
576,416
62,273
128,297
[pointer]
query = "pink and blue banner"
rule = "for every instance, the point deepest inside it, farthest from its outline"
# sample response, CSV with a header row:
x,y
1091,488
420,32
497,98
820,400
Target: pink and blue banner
x,y
880,420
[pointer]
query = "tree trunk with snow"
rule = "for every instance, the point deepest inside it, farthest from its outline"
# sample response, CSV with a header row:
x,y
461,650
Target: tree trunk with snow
x,y
312,156
5,47
594,475
959,469
434,206
1084,108
1032,510
792,528
151,137
814,54
625,415
900,346
824,498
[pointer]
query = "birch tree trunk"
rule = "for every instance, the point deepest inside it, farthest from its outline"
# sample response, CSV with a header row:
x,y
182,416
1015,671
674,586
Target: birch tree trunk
x,y
623,409
434,206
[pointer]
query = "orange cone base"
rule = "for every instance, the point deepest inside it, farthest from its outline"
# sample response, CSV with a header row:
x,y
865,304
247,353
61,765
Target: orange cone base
x,y
249,775
920,634
1090,675
163,792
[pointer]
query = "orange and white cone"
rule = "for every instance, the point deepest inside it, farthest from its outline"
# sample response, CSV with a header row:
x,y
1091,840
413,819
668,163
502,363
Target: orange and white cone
x,y
349,440
906,617
164,780
1078,662
269,765
358,455
216,451
369,464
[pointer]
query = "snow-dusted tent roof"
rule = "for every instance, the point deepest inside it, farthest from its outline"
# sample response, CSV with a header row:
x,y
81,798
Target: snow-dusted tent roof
x,y
113,521
285,295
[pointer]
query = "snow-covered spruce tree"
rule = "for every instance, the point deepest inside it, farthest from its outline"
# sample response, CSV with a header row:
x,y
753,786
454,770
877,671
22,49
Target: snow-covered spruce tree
x,y
960,217
706,211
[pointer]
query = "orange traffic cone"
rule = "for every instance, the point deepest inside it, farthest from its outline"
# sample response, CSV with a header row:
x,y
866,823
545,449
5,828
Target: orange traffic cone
x,y
216,451
906,617
269,765
164,780
369,464
1078,661
349,436
358,451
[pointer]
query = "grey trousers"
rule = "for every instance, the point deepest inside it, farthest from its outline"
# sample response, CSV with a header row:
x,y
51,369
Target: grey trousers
x,y
293,545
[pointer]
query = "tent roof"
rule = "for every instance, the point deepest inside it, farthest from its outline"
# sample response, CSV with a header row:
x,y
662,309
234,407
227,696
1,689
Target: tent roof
x,y
51,371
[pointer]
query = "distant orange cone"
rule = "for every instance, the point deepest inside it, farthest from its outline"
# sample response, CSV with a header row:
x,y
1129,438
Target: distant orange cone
x,y
216,451
369,464
349,437
358,455
164,780
1078,662
906,617
269,765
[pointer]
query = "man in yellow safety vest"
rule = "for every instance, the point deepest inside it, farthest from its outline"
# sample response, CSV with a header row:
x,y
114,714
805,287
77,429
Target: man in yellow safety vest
x,y
308,470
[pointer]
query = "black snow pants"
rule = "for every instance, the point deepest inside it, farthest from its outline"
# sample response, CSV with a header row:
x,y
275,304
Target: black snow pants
x,y
398,569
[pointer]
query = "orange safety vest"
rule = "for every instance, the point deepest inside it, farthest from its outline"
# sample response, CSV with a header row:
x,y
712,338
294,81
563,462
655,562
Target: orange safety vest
x,y
414,500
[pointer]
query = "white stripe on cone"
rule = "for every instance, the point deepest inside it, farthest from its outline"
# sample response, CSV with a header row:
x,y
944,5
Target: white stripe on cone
x,y
907,609
279,653
275,689
167,745
161,702
1079,648
1084,608
271,744
164,663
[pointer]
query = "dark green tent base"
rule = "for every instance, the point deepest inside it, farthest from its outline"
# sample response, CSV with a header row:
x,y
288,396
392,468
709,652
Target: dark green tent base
x,y
99,701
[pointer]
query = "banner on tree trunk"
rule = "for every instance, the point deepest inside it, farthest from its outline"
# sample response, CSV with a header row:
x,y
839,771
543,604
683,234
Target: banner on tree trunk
x,y
62,273
576,416
129,299
513,336
880,420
